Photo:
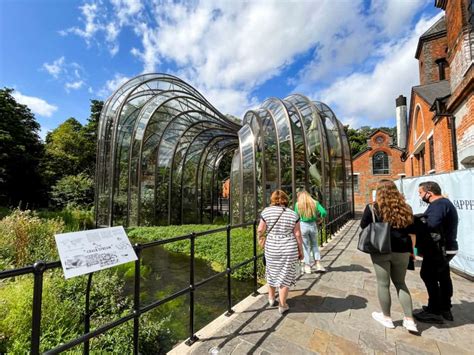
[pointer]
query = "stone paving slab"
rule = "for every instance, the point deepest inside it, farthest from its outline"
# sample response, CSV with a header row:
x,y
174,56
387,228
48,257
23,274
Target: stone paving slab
x,y
331,314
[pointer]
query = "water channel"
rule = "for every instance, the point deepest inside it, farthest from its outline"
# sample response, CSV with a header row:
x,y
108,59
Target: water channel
x,y
168,272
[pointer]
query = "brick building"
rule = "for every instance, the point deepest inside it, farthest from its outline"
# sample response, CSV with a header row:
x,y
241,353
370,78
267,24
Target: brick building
x,y
440,130
380,160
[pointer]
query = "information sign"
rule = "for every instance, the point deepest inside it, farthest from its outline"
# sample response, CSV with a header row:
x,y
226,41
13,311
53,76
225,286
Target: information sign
x,y
96,249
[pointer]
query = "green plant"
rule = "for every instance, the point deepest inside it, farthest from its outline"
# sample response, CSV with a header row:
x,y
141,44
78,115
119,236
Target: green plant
x,y
211,248
4,211
26,238
62,315
74,218
74,191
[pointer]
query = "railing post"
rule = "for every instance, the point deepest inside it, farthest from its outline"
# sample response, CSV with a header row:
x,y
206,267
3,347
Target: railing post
x,y
87,313
136,301
38,269
255,292
192,337
229,285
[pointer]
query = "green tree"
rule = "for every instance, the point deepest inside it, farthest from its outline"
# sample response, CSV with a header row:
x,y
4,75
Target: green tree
x,y
358,136
20,152
357,139
90,131
73,190
64,151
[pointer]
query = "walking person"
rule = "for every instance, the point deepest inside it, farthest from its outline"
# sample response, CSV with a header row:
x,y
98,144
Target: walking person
x,y
438,247
308,209
390,207
283,247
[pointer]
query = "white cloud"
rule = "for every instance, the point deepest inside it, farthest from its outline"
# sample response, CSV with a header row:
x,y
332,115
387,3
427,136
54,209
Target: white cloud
x,y
112,85
56,67
126,9
91,24
228,49
369,98
232,101
74,85
68,73
37,106
391,16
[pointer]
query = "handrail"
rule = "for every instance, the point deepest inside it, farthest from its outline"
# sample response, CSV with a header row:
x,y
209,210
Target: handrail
x,y
338,215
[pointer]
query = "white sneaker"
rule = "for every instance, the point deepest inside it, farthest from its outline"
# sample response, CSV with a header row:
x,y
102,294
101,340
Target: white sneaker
x,y
410,325
271,301
283,309
386,322
307,269
320,267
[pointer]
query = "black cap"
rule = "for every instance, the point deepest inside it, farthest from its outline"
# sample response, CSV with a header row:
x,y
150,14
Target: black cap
x,y
401,101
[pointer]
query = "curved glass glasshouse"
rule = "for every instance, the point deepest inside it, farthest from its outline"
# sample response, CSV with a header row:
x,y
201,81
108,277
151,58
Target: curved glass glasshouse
x,y
164,152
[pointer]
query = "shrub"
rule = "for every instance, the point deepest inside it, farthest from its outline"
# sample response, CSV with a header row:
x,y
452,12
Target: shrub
x,y
4,211
73,190
26,238
74,218
62,315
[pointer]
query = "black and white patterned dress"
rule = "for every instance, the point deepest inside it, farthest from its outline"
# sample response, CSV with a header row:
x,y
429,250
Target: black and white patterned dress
x,y
281,248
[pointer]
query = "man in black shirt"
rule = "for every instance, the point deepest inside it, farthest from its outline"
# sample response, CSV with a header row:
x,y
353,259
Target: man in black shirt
x,y
438,246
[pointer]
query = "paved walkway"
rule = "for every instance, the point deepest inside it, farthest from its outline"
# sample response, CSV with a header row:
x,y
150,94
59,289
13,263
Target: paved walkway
x,y
331,314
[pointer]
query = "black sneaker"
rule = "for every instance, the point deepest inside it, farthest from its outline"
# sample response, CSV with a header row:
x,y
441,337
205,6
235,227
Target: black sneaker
x,y
447,315
428,317
426,309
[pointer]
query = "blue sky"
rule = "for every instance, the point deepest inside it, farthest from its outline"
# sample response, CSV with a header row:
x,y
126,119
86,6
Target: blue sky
x,y
356,56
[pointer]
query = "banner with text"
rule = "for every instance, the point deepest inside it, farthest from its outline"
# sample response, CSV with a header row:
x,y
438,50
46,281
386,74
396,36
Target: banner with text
x,y
458,186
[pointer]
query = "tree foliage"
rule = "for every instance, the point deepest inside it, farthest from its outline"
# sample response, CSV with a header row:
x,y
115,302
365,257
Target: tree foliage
x,y
20,152
69,160
74,191
358,136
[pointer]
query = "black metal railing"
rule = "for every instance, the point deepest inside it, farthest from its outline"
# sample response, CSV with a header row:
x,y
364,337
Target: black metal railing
x,y
337,216
333,222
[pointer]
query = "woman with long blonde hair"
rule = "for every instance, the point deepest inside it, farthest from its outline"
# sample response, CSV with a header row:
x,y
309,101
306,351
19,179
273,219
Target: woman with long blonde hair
x,y
308,209
390,207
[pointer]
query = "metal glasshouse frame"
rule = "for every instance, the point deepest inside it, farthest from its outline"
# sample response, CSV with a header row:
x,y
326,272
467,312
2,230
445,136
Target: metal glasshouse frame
x,y
161,144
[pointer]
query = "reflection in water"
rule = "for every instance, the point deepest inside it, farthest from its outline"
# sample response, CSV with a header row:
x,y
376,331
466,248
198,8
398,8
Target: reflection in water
x,y
168,274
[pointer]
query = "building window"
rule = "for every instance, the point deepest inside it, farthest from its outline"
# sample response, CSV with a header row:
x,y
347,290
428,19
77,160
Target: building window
x,y
432,157
422,161
442,64
356,182
380,163
379,139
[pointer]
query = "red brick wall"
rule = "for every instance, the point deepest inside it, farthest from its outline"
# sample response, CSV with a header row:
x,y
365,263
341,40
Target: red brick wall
x,y
443,146
428,68
467,120
441,133
461,101
455,19
363,166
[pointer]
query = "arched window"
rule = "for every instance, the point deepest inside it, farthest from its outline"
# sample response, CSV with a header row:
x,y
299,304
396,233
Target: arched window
x,y
380,163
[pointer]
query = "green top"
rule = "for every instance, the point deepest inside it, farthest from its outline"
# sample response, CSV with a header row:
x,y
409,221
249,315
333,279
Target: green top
x,y
320,209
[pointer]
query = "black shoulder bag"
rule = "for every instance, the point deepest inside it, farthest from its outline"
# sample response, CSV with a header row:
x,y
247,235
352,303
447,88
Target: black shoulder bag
x,y
375,238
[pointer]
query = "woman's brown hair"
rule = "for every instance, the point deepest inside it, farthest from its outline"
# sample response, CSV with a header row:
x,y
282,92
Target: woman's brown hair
x,y
392,206
279,198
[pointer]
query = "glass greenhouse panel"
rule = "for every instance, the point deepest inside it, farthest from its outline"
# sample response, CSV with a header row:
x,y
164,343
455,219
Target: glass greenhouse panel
x,y
164,154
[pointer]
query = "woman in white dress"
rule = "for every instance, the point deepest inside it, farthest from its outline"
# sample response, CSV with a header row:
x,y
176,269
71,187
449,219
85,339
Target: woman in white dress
x,y
283,247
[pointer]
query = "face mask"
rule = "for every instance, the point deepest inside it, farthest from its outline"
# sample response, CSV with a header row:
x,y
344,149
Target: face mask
x,y
426,198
